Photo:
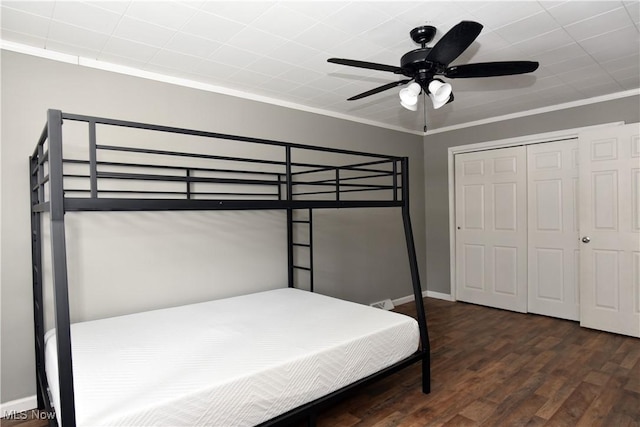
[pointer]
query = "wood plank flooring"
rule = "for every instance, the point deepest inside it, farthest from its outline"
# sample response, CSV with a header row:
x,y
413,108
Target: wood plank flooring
x,y
497,368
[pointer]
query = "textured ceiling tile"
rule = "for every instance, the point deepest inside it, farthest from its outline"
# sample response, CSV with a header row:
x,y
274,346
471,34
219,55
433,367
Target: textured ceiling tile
x,y
42,8
355,48
545,42
269,66
25,23
317,9
240,11
390,32
631,83
283,22
500,13
633,9
73,35
623,39
528,28
292,52
86,16
620,63
560,54
256,41
600,24
356,18
575,65
570,12
249,77
300,75
129,49
168,14
177,61
322,37
215,70
233,56
212,27
192,45
143,32
432,13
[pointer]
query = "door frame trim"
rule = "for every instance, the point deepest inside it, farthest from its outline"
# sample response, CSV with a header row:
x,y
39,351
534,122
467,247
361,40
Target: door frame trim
x,y
490,145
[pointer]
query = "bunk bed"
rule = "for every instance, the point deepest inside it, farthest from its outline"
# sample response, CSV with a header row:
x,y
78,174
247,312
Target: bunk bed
x,y
301,333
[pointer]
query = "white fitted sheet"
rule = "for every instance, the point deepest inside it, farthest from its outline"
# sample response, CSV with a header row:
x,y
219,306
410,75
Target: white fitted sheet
x,y
232,362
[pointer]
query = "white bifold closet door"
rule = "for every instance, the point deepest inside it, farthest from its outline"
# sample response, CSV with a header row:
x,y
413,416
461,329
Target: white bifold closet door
x,y
553,249
491,228
610,229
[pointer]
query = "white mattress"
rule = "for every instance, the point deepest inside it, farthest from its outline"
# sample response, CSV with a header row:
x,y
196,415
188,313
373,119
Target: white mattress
x,y
232,362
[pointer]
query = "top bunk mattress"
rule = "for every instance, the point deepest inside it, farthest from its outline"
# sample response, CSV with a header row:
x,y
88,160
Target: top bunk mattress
x,y
233,362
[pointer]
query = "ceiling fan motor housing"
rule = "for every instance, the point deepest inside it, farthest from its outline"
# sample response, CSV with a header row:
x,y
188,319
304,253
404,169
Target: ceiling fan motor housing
x,y
414,64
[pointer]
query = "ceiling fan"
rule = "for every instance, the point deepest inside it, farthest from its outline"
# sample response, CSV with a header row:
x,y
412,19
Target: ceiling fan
x,y
422,65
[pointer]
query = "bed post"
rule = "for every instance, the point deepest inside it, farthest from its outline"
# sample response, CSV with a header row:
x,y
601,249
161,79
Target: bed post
x,y
59,265
290,247
37,193
415,279
289,218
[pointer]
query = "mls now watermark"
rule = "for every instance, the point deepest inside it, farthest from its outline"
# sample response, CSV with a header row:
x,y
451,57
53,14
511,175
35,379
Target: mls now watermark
x,y
33,414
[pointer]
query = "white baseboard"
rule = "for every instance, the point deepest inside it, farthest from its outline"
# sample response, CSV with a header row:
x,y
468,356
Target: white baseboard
x,y
429,294
18,405
404,300
440,295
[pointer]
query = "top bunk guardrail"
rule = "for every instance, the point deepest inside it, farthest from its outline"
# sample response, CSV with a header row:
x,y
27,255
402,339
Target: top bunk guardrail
x,y
121,165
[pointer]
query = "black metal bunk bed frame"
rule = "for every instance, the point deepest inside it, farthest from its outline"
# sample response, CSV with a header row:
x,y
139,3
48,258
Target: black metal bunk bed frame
x,y
285,181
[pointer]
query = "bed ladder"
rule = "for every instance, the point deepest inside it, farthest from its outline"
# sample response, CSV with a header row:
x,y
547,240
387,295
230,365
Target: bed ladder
x,y
297,249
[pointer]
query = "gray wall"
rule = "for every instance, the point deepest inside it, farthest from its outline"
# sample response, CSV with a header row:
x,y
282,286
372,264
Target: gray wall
x,y
174,258
436,166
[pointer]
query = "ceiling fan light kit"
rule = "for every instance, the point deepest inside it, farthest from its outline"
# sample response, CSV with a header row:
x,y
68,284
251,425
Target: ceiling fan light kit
x,y
409,96
422,65
439,92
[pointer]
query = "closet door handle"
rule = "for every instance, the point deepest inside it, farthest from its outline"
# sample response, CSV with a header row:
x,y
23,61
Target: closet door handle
x,y
586,239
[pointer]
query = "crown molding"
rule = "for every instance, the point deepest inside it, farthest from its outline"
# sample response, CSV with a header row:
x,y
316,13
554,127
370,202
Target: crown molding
x,y
564,106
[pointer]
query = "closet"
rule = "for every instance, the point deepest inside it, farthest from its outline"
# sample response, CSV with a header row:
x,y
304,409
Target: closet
x,y
552,227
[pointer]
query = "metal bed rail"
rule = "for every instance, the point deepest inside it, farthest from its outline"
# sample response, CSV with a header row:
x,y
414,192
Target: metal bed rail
x,y
274,176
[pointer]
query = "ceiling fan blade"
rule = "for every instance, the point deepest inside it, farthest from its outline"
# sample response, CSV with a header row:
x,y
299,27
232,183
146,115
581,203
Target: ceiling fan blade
x,y
379,89
364,64
490,69
456,41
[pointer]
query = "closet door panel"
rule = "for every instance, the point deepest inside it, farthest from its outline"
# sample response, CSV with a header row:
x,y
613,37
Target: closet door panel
x,y
552,239
491,228
610,229
550,274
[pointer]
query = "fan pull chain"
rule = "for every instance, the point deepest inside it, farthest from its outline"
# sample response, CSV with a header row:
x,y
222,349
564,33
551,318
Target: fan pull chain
x,y
424,99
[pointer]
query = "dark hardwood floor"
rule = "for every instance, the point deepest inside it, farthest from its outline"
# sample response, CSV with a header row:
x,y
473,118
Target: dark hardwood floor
x,y
497,368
